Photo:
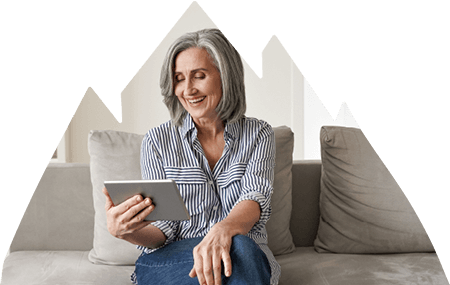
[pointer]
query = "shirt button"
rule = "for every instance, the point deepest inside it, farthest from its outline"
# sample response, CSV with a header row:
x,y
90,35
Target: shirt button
x,y
210,182
215,208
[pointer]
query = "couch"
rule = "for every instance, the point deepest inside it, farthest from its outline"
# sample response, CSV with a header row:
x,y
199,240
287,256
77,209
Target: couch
x,y
338,220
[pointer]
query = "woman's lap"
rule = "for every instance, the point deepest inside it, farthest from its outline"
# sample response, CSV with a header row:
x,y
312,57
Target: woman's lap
x,y
172,264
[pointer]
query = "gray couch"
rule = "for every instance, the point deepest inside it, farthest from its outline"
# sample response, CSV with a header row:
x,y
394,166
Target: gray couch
x,y
55,238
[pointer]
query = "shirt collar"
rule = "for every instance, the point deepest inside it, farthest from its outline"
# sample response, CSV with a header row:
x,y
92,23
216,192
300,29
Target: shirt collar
x,y
187,126
232,129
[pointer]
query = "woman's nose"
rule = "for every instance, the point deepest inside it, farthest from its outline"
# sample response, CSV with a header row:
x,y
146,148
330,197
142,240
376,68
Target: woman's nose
x,y
189,88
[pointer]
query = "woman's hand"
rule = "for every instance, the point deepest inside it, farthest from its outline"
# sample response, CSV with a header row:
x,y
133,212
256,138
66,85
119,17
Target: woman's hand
x,y
127,217
209,253
216,245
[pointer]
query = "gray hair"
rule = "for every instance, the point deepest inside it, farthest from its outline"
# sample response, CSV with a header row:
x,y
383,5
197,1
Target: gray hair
x,y
227,60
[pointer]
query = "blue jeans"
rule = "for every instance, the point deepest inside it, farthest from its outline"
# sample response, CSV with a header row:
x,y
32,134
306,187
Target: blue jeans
x,y
172,264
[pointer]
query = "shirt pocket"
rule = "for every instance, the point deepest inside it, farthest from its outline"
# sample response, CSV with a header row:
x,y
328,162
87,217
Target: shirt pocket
x,y
232,176
191,183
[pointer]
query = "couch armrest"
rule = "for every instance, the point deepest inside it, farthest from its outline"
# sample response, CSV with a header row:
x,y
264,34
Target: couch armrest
x,y
305,201
60,215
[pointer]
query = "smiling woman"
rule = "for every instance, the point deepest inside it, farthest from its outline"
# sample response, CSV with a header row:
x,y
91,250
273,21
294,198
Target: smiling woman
x,y
223,164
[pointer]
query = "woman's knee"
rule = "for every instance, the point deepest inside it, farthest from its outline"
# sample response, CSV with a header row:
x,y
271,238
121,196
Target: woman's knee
x,y
244,245
249,262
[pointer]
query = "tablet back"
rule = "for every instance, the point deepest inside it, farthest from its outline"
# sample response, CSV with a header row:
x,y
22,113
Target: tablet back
x,y
164,193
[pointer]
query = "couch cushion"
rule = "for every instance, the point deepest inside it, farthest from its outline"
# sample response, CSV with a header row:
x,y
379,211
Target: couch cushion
x,y
61,267
306,266
362,208
116,156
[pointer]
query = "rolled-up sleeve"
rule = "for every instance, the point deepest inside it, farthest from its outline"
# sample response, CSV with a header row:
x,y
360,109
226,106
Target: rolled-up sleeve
x,y
152,169
257,181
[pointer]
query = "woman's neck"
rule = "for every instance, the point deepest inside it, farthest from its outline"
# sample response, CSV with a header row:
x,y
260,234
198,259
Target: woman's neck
x,y
209,128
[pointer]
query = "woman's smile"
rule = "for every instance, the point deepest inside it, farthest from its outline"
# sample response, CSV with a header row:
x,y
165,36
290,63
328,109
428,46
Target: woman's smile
x,y
196,101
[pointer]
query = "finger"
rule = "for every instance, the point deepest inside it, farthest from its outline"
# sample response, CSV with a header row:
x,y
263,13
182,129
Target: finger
x,y
109,203
226,263
208,270
142,212
217,267
127,204
198,267
135,213
193,273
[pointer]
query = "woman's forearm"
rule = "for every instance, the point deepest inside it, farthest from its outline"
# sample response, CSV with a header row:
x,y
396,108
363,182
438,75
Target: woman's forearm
x,y
149,236
242,218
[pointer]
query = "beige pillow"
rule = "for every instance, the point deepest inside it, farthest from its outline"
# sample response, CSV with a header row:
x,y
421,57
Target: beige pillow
x,y
116,155
363,210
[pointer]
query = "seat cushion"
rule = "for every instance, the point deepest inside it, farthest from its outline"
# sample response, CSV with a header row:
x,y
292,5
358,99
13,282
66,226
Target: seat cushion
x,y
303,266
61,267
307,267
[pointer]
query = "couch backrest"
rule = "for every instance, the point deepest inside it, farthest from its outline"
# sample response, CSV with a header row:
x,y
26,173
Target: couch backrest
x,y
305,201
60,215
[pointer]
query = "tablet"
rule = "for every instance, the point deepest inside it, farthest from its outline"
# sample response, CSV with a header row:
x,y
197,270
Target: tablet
x,y
164,193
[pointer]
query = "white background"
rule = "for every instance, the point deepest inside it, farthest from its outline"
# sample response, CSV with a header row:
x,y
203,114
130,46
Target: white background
x,y
281,97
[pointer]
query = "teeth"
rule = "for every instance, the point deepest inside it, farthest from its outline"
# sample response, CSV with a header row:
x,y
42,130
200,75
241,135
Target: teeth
x,y
196,100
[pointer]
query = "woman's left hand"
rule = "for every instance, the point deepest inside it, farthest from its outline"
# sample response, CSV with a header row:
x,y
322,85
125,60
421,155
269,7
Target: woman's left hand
x,y
209,253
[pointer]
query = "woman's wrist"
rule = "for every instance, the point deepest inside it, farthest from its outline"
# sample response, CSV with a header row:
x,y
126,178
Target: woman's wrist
x,y
149,236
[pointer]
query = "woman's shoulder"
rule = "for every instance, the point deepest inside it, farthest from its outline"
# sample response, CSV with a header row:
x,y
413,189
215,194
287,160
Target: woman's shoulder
x,y
161,132
251,124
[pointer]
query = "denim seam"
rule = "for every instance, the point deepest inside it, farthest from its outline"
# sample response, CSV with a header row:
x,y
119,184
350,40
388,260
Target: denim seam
x,y
163,265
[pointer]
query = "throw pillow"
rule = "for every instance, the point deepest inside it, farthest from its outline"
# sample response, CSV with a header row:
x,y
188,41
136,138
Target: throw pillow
x,y
116,156
362,208
279,235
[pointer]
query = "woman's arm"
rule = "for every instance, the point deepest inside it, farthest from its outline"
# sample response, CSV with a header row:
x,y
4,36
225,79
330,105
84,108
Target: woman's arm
x,y
241,219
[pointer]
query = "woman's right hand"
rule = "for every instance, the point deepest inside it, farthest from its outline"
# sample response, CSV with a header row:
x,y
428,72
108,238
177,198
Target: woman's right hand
x,y
127,217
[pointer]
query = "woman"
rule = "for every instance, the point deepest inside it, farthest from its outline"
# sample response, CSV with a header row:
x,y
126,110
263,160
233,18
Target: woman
x,y
223,164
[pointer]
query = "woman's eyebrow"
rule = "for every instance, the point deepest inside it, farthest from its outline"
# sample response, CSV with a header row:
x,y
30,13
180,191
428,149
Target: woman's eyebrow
x,y
192,71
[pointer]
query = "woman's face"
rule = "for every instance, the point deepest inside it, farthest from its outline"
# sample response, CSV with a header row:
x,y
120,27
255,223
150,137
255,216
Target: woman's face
x,y
197,84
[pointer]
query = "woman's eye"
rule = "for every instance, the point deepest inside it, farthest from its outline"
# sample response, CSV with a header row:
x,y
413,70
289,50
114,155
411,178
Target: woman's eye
x,y
199,76
178,79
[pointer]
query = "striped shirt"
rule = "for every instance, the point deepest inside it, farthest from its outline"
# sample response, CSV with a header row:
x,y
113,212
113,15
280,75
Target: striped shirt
x,y
244,172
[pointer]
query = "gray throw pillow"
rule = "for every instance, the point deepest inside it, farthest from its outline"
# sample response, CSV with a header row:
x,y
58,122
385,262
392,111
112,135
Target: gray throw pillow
x,y
362,208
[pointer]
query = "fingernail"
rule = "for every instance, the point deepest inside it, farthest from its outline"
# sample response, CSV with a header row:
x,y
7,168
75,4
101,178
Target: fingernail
x,y
138,198
147,201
